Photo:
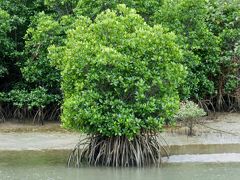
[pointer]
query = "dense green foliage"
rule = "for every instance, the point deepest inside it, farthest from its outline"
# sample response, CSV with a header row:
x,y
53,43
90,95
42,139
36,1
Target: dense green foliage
x,y
188,20
27,73
120,76
224,22
19,13
36,68
207,31
92,8
123,69
37,98
4,40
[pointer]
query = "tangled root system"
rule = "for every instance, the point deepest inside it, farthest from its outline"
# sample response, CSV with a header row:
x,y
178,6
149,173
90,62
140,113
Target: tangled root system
x,y
143,150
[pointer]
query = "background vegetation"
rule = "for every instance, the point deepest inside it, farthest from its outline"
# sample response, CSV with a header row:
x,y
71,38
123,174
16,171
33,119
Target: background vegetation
x,y
207,32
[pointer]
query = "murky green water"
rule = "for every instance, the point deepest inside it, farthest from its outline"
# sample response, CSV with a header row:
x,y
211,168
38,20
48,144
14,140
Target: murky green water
x,y
51,166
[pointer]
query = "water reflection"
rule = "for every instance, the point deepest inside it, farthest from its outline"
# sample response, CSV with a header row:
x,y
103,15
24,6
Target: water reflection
x,y
188,171
51,166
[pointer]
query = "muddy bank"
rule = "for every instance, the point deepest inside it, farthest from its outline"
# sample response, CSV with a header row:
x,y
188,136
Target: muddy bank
x,y
27,126
221,128
38,141
218,135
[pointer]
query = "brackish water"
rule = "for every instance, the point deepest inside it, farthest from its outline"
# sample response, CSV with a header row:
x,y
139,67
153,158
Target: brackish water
x,y
51,166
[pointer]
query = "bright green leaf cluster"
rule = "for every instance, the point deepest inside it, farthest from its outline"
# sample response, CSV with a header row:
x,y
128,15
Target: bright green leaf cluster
x,y
36,98
119,75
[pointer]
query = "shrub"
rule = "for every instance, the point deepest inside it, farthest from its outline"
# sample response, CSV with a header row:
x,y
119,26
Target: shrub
x,y
35,98
119,75
189,114
28,102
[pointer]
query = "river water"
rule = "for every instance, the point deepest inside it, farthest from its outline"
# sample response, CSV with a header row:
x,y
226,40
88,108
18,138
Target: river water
x,y
51,166
187,171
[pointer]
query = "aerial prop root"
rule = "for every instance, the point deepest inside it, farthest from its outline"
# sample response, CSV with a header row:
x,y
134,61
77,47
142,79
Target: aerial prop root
x,y
143,150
